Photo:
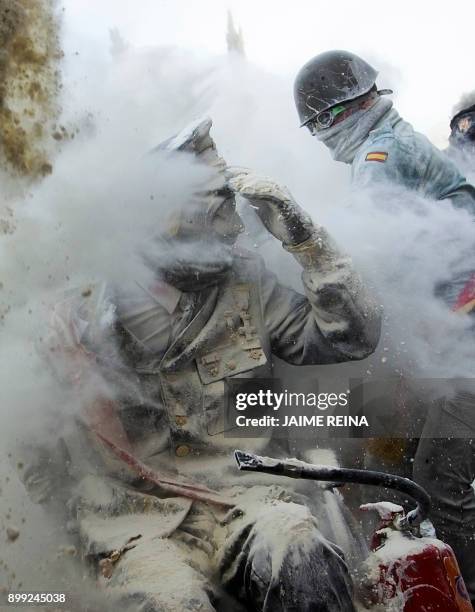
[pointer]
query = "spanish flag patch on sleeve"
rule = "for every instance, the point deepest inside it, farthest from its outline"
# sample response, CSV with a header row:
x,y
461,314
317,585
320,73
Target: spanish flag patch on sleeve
x,y
377,156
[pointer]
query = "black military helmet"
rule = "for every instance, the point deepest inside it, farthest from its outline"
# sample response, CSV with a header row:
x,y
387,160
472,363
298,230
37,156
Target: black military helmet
x,y
330,78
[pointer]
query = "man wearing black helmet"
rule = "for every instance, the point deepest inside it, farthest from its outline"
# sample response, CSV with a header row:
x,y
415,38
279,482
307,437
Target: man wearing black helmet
x,y
338,101
462,135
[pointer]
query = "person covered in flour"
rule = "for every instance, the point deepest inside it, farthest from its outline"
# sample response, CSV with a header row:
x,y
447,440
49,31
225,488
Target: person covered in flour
x,y
461,149
162,516
338,101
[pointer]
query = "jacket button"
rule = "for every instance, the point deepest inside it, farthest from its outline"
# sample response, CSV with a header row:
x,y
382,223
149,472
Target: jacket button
x,y
182,451
181,420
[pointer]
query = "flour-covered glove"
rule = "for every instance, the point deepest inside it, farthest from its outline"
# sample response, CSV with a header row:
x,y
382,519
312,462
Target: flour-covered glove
x,y
274,205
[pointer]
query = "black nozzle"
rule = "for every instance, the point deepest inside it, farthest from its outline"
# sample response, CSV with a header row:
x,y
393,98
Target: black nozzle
x,y
300,469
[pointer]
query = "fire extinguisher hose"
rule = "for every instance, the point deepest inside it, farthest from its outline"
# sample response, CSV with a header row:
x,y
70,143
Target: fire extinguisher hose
x,y
299,469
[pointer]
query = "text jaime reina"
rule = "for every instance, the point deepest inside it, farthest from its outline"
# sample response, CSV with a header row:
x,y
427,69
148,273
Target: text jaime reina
x,y
270,400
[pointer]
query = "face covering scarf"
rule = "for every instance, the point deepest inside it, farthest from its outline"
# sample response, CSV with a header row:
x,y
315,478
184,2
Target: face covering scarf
x,y
345,138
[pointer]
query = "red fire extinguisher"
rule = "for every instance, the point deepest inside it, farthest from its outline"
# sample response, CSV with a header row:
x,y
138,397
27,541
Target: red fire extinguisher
x,y
420,574
404,571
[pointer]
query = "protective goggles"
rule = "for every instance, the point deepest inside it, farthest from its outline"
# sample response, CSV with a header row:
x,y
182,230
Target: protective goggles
x,y
325,119
464,124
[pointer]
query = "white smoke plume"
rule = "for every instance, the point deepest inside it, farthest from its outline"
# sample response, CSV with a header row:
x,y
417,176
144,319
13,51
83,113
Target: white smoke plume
x,y
88,220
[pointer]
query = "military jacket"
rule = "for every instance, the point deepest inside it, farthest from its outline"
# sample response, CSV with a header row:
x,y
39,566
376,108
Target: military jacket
x,y
175,402
395,154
